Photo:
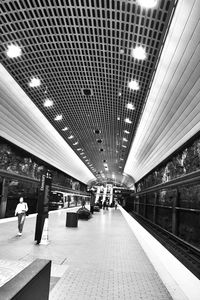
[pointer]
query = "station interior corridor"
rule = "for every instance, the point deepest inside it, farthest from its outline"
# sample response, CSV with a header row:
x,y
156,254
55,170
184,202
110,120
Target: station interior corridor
x,y
99,103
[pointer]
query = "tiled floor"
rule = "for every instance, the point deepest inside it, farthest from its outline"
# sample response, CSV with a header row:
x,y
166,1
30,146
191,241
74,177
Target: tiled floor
x,y
101,259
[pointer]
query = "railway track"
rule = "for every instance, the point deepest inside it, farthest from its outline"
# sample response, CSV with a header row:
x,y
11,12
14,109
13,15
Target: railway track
x,y
187,254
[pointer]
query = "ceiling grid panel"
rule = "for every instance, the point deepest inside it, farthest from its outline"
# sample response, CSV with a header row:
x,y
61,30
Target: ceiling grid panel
x,y
86,44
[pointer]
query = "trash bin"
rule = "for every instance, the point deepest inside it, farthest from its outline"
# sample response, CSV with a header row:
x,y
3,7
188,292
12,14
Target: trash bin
x,y
71,219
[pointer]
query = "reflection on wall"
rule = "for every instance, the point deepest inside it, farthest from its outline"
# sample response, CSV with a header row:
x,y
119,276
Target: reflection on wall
x,y
17,161
184,162
12,162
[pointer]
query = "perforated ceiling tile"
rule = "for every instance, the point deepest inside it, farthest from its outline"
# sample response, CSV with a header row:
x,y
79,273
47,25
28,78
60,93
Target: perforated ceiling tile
x,y
86,45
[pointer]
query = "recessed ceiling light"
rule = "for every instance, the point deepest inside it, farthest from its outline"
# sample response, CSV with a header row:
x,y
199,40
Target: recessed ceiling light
x,y
120,167
70,137
76,143
79,149
13,51
118,118
127,120
139,53
58,118
121,159
130,106
126,131
119,94
148,3
121,51
35,82
133,85
82,153
84,156
124,146
48,102
86,160
125,140
65,129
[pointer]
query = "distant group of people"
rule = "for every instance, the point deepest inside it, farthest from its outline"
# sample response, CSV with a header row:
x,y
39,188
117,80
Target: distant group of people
x,y
102,204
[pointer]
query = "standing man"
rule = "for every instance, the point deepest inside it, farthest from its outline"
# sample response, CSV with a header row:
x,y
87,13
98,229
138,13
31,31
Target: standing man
x,y
20,212
92,201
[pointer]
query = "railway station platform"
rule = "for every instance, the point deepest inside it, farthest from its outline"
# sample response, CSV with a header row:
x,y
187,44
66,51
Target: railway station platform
x,y
100,259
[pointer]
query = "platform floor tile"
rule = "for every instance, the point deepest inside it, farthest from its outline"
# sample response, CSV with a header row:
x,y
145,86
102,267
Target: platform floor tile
x,y
107,262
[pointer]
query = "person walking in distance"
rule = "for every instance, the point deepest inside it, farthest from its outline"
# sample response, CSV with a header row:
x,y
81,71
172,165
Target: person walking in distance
x,y
20,212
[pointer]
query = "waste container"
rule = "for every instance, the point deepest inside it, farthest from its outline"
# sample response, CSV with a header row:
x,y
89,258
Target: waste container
x,y
71,219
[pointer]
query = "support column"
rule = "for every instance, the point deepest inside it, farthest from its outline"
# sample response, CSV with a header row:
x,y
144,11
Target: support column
x,y
3,200
174,215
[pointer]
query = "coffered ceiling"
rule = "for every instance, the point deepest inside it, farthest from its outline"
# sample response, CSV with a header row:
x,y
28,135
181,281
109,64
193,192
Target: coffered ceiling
x,y
82,52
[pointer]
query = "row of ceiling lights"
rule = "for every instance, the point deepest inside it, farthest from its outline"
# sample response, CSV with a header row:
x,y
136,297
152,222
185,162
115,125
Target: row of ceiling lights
x,y
138,53
15,51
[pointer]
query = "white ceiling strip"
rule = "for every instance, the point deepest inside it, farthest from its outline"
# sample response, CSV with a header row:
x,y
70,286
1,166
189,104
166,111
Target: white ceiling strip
x,y
22,123
172,112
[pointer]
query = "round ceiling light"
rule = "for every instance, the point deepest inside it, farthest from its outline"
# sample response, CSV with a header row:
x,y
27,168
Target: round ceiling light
x,y
148,3
48,103
130,106
139,53
35,82
13,51
58,118
133,85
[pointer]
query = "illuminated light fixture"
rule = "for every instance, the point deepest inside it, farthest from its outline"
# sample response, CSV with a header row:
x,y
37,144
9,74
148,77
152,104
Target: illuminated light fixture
x,y
86,160
84,156
82,153
118,118
130,106
133,85
79,149
127,120
139,53
65,129
148,3
125,140
119,94
126,131
13,51
48,102
121,159
76,143
58,118
124,146
35,82
120,167
70,137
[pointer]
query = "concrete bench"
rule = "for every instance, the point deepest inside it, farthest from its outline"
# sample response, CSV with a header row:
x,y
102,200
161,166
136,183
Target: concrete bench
x,y
30,284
